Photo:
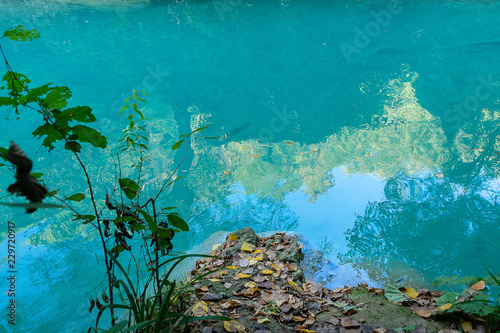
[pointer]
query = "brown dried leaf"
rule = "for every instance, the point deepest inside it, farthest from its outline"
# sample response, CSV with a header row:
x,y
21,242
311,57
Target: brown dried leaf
x,y
478,286
424,312
299,319
349,323
233,326
258,278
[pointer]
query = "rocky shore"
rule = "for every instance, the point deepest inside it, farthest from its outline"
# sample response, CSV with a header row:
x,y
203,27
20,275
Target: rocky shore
x,y
260,285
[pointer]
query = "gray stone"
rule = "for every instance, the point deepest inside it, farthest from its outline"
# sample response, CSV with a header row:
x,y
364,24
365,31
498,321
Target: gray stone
x,y
243,235
210,297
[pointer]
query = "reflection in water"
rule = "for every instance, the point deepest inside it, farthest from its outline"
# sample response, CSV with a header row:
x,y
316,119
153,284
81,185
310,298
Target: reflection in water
x,y
428,224
417,196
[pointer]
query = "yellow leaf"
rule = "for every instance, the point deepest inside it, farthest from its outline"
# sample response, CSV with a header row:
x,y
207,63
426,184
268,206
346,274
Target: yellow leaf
x,y
257,255
247,247
264,320
226,173
411,292
231,267
250,284
466,326
444,307
295,286
256,156
478,286
233,237
199,309
307,331
242,275
233,326
267,271
214,280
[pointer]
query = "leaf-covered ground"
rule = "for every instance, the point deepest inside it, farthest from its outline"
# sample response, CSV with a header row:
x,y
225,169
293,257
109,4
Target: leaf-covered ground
x,y
259,284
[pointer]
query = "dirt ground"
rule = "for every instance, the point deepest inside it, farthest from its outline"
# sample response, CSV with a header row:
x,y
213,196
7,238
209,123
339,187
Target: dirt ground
x,y
259,284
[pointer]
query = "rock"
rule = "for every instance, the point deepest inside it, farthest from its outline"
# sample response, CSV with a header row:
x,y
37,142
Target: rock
x,y
210,297
243,235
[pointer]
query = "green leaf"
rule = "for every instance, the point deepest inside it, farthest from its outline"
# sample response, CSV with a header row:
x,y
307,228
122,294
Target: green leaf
x,y
3,153
129,187
177,145
466,280
82,114
149,219
118,327
15,81
20,34
73,146
177,222
52,193
492,279
76,197
90,135
7,101
51,132
87,218
124,108
439,281
447,298
137,226
393,294
117,249
57,98
37,175
35,94
122,219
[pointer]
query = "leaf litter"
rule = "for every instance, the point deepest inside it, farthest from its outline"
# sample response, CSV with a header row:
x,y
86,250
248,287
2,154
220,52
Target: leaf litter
x,y
261,288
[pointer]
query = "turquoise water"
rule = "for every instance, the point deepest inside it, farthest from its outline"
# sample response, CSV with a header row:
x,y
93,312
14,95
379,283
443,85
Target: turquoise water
x,y
371,129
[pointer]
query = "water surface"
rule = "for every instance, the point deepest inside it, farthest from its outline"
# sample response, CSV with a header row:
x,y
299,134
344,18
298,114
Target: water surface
x,y
372,130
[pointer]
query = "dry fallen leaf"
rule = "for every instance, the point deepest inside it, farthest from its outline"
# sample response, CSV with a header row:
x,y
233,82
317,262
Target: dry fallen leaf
x,y
233,237
233,326
214,280
199,309
411,292
466,326
226,173
424,312
299,319
247,247
478,286
242,275
231,267
263,321
379,330
439,175
349,322
256,156
250,284
267,272
257,255
444,307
